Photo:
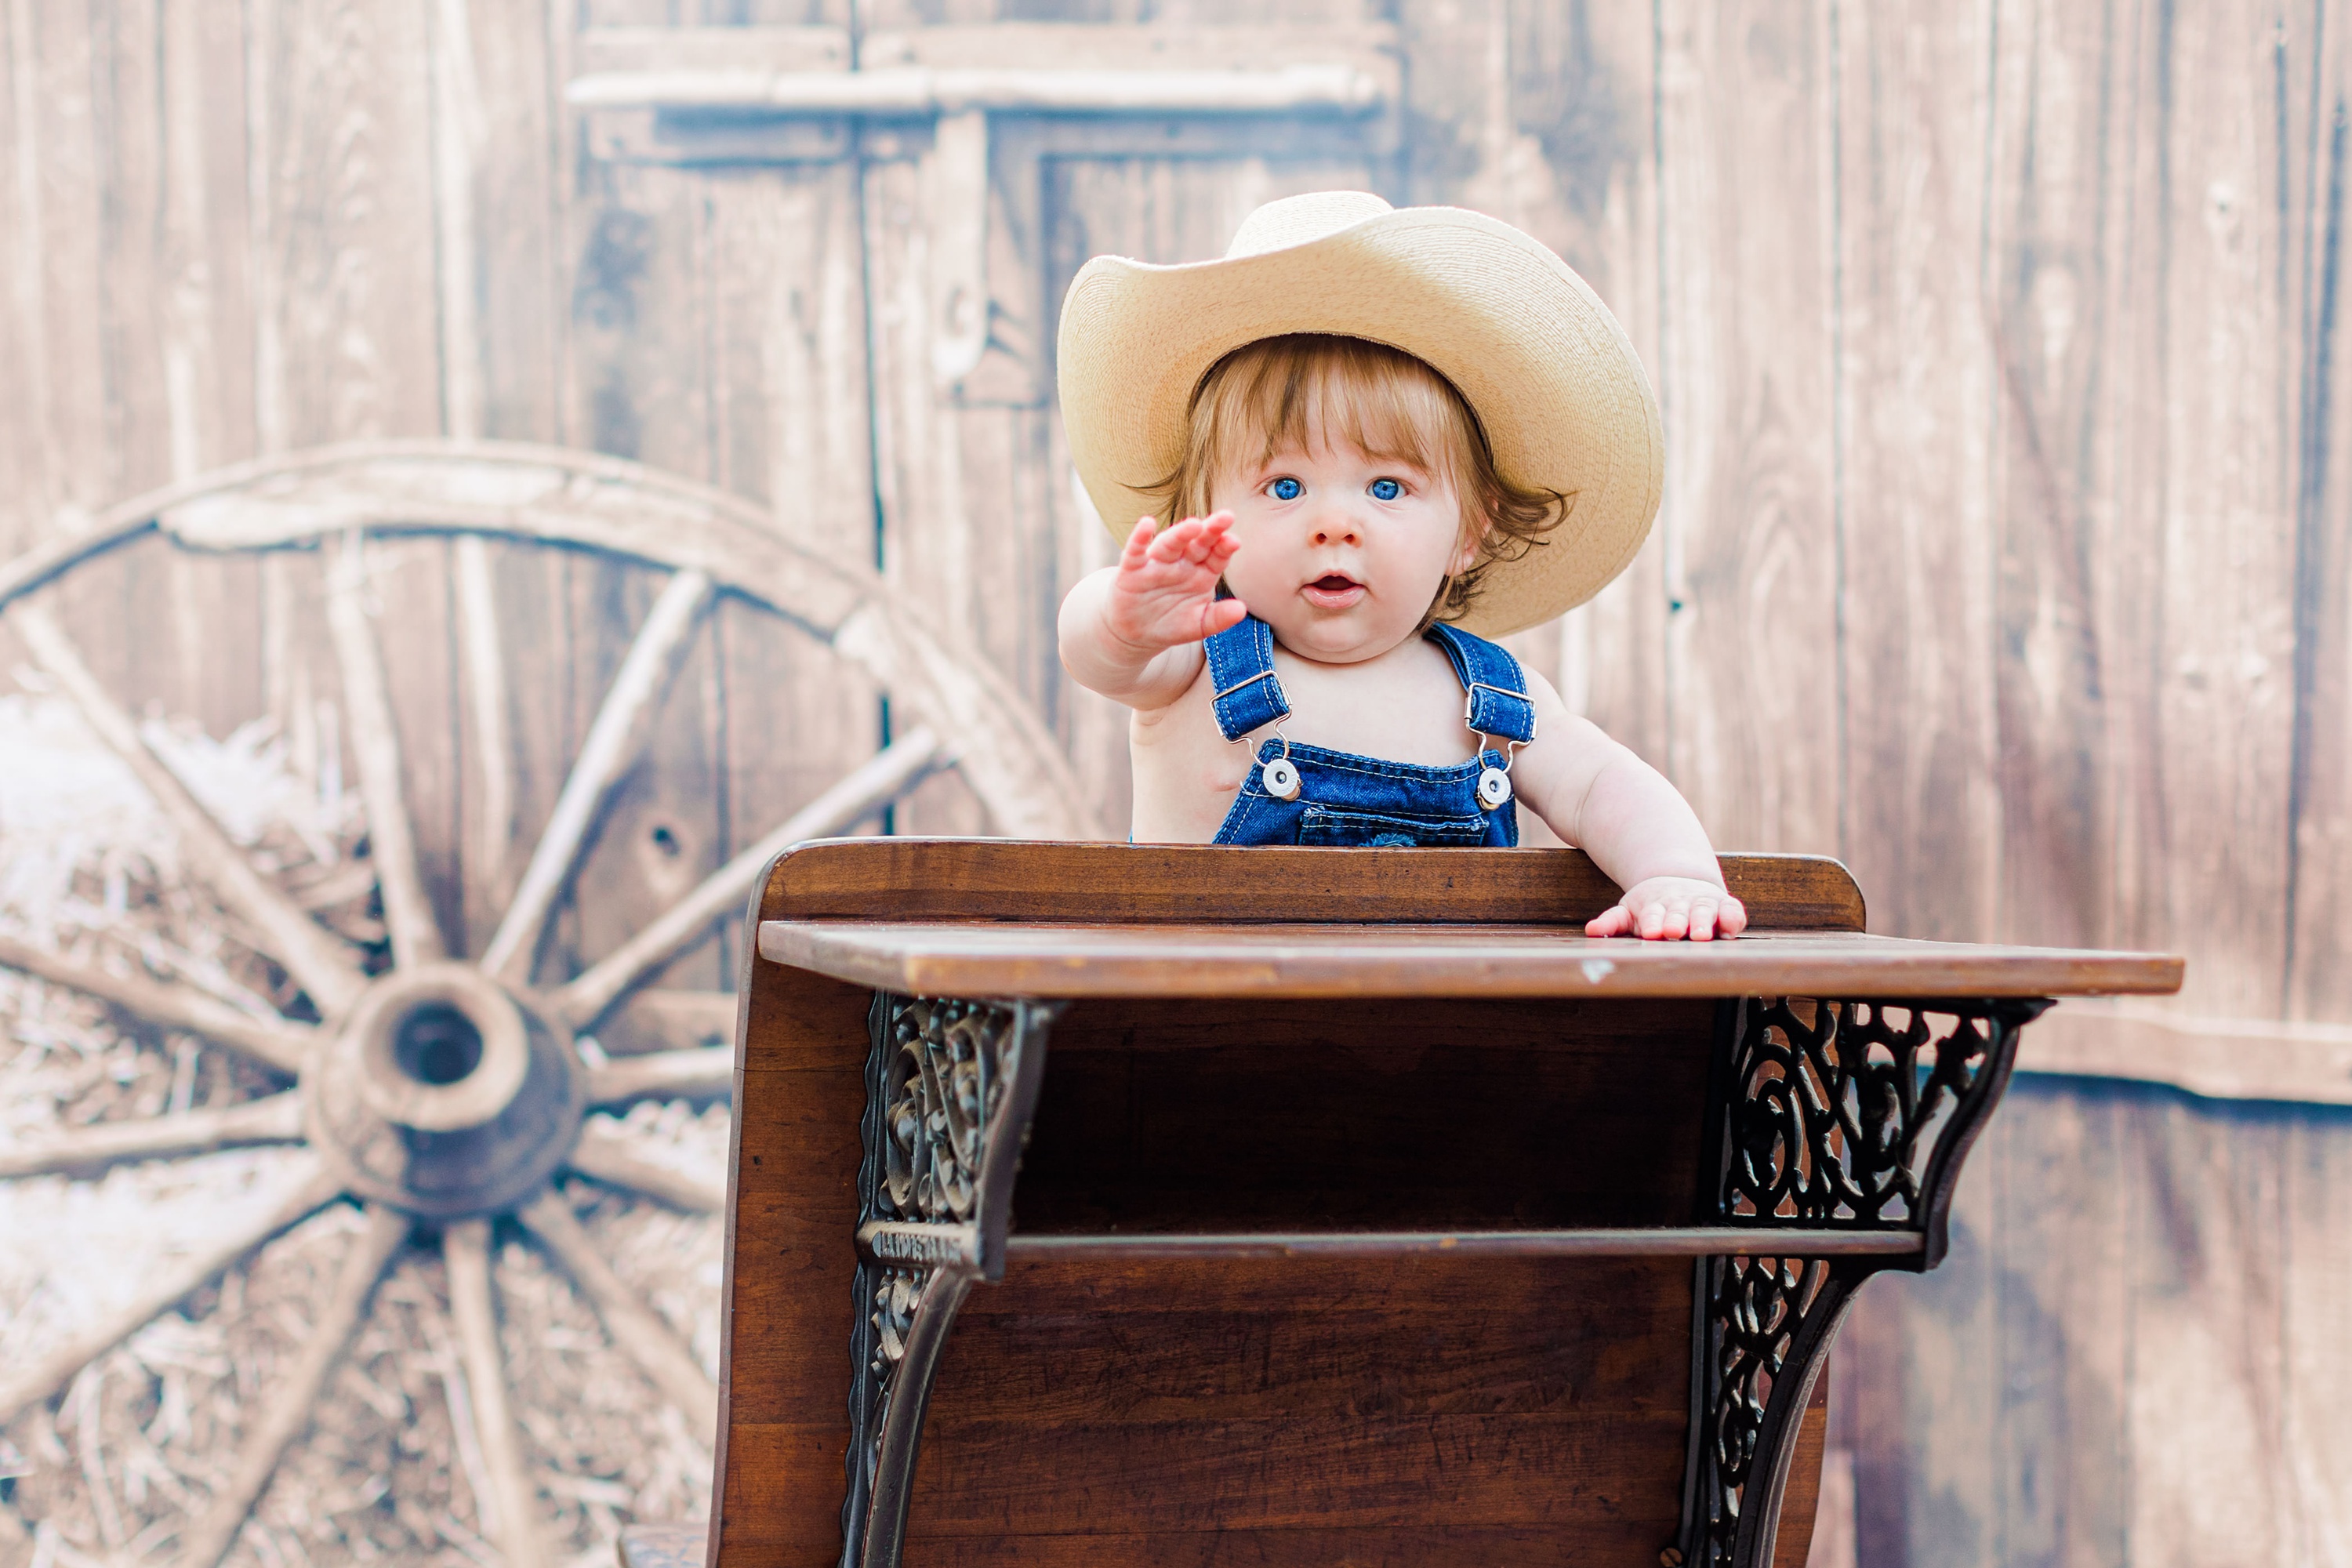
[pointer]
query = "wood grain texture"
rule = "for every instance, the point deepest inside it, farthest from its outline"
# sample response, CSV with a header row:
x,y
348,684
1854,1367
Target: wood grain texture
x,y
784,1376
2050,240
2223,697
169,90
784,303
57,265
951,880
2060,1391
2206,1266
1750,543
408,591
1916,373
1613,657
1269,1408
2315,1196
932,541
2319,783
2160,1320
977,959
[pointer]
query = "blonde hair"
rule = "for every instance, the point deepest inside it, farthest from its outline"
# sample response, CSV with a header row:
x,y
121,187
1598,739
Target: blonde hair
x,y
1287,393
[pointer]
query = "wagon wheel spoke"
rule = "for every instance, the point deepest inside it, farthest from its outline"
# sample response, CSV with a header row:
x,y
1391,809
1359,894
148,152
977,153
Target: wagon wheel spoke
x,y
486,681
671,1075
375,745
55,1370
288,1414
873,784
320,963
632,1324
85,1150
512,1510
168,1006
608,1160
623,726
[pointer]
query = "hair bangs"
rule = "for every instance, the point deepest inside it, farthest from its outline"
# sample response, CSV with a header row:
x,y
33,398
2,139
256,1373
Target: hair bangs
x,y
1308,393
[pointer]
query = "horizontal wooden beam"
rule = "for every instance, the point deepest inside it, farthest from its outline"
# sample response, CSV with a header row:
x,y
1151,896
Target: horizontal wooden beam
x,y
2218,1058
919,92
1652,1241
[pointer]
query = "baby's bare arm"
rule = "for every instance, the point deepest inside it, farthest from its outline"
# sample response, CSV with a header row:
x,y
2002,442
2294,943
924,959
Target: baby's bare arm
x,y
1597,795
1133,631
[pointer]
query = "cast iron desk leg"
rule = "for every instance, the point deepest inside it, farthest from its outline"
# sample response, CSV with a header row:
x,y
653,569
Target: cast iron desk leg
x,y
1819,1114
949,1089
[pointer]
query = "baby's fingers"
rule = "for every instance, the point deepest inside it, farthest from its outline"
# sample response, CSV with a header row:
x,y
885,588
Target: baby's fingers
x,y
1221,615
1196,539
1139,543
1615,920
1665,919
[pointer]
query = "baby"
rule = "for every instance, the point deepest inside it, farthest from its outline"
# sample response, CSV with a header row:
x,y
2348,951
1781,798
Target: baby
x,y
1379,429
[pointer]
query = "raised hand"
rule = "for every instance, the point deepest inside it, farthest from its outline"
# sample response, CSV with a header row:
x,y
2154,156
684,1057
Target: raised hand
x,y
1669,908
1164,592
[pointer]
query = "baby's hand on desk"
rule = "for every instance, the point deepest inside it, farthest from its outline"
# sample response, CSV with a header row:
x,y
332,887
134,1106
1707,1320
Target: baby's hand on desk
x,y
1668,909
1165,592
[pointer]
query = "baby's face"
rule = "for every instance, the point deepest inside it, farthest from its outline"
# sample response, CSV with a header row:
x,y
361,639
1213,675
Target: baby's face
x,y
1341,552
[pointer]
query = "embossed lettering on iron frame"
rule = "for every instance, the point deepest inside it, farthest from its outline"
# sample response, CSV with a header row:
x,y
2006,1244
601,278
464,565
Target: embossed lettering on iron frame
x,y
1821,1114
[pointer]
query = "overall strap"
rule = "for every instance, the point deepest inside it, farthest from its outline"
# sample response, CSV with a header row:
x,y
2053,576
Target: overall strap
x,y
1498,706
1248,696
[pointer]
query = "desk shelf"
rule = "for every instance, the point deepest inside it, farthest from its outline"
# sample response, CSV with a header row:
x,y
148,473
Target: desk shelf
x,y
1659,1241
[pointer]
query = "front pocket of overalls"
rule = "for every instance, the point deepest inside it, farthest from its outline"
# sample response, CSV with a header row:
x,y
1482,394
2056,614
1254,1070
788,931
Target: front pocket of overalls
x,y
1322,826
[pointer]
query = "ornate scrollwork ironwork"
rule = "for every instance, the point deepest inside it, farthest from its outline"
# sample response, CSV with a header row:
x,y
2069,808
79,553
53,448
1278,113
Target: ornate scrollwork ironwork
x,y
1765,1324
1831,1105
949,1086
945,1079
896,1291
1825,1114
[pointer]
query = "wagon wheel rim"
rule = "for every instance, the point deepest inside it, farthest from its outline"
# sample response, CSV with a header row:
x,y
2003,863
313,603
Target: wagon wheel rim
x,y
445,1089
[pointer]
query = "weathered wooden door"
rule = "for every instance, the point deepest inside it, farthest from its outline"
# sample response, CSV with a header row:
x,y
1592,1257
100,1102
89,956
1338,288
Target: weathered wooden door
x,y
886,211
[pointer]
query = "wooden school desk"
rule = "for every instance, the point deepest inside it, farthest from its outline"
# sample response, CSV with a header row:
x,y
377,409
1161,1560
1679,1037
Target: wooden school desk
x,y
1269,1206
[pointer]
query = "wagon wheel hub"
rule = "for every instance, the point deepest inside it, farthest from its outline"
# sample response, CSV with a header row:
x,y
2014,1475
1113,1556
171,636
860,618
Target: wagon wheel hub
x,y
444,1095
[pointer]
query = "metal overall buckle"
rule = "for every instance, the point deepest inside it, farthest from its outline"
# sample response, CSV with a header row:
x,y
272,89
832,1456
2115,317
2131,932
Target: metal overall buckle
x,y
1494,783
1279,776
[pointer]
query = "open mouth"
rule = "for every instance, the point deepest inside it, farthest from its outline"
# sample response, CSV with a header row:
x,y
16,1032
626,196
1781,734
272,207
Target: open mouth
x,y
1333,591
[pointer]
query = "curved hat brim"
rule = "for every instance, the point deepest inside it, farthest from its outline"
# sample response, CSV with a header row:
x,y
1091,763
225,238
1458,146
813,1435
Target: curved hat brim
x,y
1556,383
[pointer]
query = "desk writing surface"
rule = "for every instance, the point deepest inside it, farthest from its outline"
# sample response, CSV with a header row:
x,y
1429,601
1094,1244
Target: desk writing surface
x,y
990,959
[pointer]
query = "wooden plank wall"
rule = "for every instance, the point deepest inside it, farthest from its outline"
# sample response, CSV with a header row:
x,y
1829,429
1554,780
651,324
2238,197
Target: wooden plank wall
x,y
2004,549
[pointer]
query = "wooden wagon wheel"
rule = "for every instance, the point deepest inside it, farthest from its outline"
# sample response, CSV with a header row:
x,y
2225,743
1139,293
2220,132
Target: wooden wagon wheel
x,y
445,1088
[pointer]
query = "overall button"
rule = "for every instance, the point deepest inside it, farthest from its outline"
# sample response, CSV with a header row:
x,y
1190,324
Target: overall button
x,y
1281,778
1494,788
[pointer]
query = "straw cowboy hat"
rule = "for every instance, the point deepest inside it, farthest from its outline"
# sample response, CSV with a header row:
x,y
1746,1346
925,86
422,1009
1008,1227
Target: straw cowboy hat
x,y
1531,347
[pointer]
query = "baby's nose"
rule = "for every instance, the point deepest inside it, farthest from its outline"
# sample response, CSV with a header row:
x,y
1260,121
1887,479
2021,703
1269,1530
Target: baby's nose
x,y
1337,528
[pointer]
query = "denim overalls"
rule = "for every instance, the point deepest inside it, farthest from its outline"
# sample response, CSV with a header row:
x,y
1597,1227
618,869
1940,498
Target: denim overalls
x,y
1305,794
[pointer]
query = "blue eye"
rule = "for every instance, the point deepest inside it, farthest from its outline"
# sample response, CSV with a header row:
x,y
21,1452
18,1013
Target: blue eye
x,y
1286,489
1386,489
